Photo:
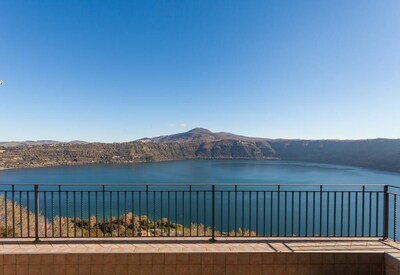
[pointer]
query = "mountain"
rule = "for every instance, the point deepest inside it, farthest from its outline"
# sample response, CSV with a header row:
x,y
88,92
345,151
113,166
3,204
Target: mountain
x,y
199,143
199,135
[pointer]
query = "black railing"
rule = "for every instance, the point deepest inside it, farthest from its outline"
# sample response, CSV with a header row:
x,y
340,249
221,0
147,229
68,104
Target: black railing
x,y
71,211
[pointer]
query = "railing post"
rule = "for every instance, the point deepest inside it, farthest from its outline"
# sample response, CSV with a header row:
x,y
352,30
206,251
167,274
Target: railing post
x,y
385,213
213,215
36,213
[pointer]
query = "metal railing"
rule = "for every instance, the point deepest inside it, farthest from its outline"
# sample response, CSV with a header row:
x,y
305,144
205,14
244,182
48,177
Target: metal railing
x,y
72,211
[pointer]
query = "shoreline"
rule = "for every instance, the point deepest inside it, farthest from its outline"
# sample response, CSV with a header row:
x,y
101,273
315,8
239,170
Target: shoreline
x,y
127,162
199,159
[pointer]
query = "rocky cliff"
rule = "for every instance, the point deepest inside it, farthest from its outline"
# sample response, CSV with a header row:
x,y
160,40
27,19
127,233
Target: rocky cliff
x,y
199,143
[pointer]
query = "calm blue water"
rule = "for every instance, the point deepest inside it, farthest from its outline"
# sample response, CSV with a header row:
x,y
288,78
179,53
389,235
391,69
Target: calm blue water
x,y
298,211
203,171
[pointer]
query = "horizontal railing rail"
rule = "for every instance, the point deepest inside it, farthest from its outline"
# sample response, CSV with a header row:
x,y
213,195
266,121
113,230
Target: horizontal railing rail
x,y
198,210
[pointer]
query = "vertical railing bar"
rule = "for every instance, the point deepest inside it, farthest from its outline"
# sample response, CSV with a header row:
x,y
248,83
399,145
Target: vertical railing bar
x,y
279,212
67,211
20,214
52,214
190,210
370,215
45,212
313,223
204,212
327,212
28,210
81,212
6,212
341,214
147,210
242,213
104,209
355,216
257,218
75,214
363,211
36,213
221,217
169,214
377,214
229,213
13,209
213,215
176,213
111,214
271,212
133,213
292,204
97,212
118,212
154,213
140,213
395,218
285,215
348,213
250,194
299,206
89,217
161,214
307,213
220,210
236,215
265,215
197,214
59,209
334,213
126,208
183,213
320,211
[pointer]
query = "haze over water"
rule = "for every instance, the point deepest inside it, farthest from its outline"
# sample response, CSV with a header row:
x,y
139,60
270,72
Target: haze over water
x,y
203,171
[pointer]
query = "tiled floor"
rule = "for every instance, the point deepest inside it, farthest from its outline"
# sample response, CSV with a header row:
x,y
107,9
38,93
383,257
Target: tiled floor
x,y
175,245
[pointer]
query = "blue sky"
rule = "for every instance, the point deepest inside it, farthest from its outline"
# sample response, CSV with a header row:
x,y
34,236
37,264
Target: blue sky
x,y
121,70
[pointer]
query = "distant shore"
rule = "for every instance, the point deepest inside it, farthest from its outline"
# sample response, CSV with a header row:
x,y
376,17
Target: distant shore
x,y
379,154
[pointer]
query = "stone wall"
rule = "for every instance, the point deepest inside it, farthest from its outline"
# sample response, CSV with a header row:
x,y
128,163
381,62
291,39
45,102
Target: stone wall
x,y
247,263
392,263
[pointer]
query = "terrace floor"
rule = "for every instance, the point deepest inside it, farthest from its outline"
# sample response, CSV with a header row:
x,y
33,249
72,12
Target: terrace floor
x,y
187,244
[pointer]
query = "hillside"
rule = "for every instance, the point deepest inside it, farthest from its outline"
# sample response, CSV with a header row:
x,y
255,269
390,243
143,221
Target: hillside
x,y
201,143
200,135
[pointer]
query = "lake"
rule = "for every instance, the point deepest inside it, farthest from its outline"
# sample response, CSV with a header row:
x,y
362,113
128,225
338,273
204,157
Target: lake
x,y
203,171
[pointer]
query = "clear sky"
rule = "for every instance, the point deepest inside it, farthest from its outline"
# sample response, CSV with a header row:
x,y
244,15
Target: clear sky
x,y
122,70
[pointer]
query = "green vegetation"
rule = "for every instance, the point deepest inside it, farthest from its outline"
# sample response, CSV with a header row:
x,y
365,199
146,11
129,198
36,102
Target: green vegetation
x,y
128,225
